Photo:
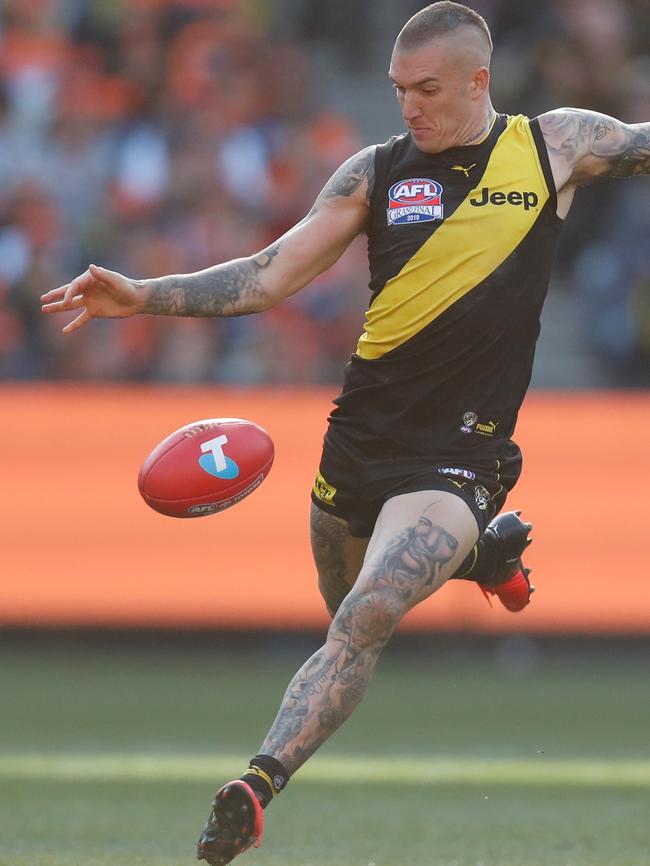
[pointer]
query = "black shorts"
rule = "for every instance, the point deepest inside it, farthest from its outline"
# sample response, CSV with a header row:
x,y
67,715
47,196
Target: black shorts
x,y
359,471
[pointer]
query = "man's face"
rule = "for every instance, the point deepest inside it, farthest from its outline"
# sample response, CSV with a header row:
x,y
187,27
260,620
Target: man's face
x,y
433,539
437,90
428,549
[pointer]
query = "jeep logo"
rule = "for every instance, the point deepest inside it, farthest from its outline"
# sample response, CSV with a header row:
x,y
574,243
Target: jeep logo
x,y
526,199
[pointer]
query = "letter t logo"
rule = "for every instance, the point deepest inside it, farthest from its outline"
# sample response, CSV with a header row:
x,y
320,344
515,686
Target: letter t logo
x,y
215,447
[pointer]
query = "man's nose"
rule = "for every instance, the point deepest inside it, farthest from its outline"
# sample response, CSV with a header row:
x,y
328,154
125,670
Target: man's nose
x,y
411,108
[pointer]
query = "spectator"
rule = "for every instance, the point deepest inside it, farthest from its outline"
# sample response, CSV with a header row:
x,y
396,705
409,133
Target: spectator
x,y
161,136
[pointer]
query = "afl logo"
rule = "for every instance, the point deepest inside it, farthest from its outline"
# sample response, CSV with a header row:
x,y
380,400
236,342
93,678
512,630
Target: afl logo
x,y
416,200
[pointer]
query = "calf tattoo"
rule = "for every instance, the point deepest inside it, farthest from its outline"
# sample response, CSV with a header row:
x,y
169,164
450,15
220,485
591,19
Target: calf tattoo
x,y
328,537
331,683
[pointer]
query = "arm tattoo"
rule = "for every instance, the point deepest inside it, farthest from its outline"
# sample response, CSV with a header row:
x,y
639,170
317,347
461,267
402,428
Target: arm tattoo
x,y
626,147
235,288
347,179
566,133
231,289
622,150
602,128
331,683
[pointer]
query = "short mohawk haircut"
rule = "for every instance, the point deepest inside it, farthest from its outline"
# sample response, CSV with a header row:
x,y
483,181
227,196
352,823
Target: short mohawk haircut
x,y
438,19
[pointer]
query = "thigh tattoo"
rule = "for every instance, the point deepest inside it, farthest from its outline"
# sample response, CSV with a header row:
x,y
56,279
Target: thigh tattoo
x,y
413,560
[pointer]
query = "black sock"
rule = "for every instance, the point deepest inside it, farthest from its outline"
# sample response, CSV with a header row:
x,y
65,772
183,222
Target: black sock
x,y
481,562
267,777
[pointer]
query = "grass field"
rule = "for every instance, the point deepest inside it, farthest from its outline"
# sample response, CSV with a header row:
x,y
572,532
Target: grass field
x,y
110,756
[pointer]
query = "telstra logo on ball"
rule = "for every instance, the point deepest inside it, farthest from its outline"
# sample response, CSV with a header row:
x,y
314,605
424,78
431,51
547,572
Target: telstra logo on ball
x,y
214,461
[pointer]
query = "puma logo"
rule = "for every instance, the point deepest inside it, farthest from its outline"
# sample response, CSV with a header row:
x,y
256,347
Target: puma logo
x,y
462,168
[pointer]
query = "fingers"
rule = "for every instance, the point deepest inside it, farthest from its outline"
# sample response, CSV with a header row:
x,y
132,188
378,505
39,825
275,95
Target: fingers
x,y
101,273
81,320
61,306
67,297
54,294
78,286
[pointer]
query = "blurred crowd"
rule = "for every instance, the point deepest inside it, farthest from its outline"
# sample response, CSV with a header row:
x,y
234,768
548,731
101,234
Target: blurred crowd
x,y
163,136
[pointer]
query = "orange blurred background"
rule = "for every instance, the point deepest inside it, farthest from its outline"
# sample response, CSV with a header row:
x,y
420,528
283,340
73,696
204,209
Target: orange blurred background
x,y
80,547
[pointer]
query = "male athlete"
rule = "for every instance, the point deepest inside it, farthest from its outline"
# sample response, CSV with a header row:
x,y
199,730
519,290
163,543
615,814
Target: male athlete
x,y
462,214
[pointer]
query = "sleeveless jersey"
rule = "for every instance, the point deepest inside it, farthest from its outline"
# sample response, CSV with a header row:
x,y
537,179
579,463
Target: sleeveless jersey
x,y
461,246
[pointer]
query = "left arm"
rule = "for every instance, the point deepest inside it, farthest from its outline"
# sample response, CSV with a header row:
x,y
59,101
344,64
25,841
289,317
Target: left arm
x,y
585,144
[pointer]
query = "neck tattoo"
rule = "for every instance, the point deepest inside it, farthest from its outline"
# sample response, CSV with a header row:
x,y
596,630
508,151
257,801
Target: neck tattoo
x,y
483,131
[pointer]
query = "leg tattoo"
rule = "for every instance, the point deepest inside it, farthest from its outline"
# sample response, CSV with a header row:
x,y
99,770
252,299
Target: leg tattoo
x,y
417,555
337,555
331,683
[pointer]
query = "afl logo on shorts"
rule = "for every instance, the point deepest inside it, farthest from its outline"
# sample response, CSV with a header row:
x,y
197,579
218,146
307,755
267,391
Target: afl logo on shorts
x,y
416,200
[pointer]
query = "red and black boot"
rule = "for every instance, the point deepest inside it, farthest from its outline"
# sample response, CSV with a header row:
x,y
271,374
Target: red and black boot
x,y
495,562
235,823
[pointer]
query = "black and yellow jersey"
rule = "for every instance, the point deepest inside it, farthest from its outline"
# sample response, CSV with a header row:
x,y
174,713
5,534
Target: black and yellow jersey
x,y
461,246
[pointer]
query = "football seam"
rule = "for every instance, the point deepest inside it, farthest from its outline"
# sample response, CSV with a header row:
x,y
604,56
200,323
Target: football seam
x,y
180,442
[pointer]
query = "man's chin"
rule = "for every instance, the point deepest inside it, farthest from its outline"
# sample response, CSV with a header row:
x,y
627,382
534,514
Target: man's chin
x,y
427,141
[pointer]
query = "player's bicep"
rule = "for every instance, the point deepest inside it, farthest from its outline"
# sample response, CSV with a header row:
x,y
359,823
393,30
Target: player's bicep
x,y
312,246
586,144
620,149
354,180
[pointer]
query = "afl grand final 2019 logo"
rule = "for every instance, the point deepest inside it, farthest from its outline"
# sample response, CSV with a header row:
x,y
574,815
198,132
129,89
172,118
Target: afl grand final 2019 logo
x,y
416,200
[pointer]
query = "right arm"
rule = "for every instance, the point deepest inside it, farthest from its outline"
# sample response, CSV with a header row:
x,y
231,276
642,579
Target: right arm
x,y
241,286
584,144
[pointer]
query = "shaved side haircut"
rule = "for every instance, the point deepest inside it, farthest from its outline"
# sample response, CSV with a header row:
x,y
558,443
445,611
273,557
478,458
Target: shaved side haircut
x,y
438,19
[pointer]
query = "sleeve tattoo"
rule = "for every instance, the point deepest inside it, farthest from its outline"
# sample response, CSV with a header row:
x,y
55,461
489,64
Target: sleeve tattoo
x,y
231,289
573,134
627,148
235,288
349,177
330,685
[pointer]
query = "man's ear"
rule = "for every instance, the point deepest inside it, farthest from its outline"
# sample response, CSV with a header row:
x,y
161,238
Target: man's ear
x,y
480,81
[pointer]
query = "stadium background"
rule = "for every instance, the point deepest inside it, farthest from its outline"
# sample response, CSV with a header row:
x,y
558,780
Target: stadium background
x,y
160,136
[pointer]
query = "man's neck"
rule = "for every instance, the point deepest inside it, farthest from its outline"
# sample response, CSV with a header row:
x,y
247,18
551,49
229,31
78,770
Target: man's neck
x,y
477,135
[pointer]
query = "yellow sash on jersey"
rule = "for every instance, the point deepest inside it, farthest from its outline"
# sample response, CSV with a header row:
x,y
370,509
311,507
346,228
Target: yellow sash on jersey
x,y
466,248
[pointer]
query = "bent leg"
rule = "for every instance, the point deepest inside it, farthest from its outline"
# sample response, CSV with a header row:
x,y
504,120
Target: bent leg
x,y
419,541
337,554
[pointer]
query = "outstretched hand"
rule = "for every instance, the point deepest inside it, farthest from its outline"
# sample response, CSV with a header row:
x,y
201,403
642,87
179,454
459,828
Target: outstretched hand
x,y
100,292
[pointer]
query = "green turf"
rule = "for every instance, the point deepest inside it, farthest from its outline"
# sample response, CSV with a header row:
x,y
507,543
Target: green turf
x,y
111,757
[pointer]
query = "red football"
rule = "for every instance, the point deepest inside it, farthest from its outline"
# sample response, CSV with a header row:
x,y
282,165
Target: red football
x,y
205,467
